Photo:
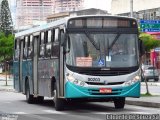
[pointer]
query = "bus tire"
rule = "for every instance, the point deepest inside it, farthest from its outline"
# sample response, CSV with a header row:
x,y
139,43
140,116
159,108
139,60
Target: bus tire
x,y
119,103
58,102
40,99
156,79
29,98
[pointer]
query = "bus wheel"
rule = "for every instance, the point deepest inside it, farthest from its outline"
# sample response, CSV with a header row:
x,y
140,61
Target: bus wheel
x,y
59,103
119,103
40,99
29,98
156,79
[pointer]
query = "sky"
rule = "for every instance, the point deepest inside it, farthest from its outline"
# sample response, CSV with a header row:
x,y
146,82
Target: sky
x,y
100,4
12,6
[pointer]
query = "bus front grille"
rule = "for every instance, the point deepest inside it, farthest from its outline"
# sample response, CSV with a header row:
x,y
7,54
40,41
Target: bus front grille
x,y
105,73
96,83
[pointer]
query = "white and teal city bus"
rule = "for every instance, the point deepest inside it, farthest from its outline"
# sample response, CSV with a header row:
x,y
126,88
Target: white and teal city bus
x,y
89,58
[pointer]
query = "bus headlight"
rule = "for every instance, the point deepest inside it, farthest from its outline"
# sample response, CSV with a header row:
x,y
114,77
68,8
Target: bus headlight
x,y
70,78
131,82
75,81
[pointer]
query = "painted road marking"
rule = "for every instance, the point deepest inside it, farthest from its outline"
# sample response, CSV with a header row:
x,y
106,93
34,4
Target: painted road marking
x,y
54,112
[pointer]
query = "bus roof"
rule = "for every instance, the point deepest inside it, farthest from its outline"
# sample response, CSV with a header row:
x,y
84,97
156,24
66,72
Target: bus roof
x,y
62,21
111,16
41,28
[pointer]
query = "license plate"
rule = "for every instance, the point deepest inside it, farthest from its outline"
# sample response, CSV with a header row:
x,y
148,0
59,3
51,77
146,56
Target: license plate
x,y
105,90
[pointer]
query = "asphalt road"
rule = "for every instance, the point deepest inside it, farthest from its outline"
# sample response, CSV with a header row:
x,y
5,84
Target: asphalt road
x,y
14,105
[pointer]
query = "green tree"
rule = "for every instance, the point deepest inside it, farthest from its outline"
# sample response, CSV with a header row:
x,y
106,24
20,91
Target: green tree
x,y
5,18
6,49
149,41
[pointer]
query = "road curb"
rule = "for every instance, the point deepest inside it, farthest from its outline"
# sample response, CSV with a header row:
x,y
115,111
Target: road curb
x,y
142,103
7,90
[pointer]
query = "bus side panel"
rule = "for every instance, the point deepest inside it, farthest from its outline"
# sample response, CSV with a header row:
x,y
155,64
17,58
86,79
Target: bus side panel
x,y
26,73
46,70
16,76
30,75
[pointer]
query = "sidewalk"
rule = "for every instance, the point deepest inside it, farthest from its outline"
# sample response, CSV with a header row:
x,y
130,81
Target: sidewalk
x,y
9,86
151,84
147,101
3,77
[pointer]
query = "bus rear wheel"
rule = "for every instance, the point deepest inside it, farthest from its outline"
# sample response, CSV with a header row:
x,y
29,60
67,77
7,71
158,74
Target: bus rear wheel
x,y
29,98
119,103
59,102
40,99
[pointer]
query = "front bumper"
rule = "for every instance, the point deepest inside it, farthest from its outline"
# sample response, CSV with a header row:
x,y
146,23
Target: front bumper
x,y
74,91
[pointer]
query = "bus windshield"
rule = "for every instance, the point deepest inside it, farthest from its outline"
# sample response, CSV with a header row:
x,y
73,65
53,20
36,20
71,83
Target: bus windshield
x,y
102,50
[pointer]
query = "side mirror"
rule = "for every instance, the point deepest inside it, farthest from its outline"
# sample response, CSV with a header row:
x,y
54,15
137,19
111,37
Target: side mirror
x,y
141,48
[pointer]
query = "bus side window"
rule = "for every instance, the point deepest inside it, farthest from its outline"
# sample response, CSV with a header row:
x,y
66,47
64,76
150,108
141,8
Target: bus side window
x,y
53,35
25,47
17,49
42,45
30,46
49,43
55,48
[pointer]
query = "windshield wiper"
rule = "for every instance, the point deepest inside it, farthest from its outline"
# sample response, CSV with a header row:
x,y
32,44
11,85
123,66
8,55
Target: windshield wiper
x,y
97,46
116,38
